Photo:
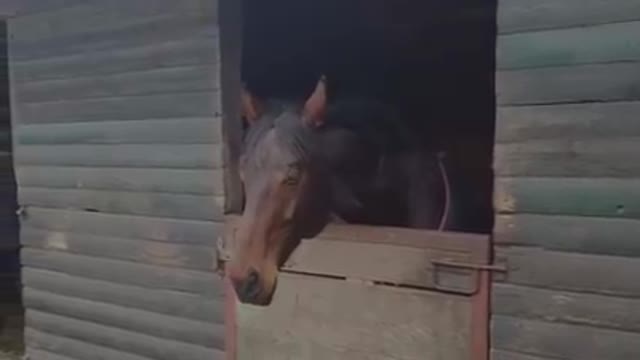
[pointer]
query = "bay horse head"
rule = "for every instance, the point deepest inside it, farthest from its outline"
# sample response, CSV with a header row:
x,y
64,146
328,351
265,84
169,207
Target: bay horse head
x,y
282,181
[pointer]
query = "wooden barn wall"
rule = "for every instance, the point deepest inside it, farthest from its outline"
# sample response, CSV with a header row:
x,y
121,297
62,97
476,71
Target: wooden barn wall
x,y
119,167
10,309
568,180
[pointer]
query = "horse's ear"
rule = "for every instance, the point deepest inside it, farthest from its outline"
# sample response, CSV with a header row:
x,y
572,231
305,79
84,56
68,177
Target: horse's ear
x,y
315,108
251,107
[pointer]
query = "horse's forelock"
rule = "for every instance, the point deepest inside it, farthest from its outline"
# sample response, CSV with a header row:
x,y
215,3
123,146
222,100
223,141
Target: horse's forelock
x,y
295,138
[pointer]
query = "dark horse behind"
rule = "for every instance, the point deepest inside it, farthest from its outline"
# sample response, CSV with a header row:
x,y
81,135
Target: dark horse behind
x,y
307,164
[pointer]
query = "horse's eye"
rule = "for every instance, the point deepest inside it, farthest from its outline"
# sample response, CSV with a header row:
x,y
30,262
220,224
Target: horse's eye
x,y
292,176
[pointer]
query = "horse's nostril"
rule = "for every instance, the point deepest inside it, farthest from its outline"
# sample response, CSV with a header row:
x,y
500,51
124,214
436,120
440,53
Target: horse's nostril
x,y
252,278
252,284
249,288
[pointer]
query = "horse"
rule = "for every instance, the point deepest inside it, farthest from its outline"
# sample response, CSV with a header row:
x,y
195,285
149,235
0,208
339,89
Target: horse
x,y
307,163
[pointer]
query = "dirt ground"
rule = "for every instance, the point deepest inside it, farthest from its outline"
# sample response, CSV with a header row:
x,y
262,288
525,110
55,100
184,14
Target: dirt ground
x,y
11,342
10,348
9,356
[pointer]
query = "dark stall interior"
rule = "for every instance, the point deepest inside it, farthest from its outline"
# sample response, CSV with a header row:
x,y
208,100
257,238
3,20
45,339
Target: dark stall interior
x,y
433,59
11,313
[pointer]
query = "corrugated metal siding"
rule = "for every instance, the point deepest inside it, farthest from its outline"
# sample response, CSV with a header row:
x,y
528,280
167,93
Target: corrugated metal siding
x,y
567,182
119,166
10,310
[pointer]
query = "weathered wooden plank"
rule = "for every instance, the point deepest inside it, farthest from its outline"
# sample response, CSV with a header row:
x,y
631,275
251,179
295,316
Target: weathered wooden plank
x,y
136,250
149,276
569,121
151,131
524,15
133,342
138,321
95,16
477,246
562,341
379,262
195,207
194,156
592,158
35,354
575,46
319,318
154,55
599,82
604,236
566,307
170,303
599,274
231,45
54,343
123,226
140,32
511,355
156,81
157,106
388,255
603,197
176,181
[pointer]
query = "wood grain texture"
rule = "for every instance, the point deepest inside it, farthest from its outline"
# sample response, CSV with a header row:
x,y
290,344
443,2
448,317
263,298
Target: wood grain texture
x,y
140,83
195,156
590,121
562,341
603,197
123,226
566,307
382,263
317,318
575,46
128,34
135,36
40,341
139,321
166,302
196,50
511,355
389,255
174,181
206,284
153,106
132,342
35,354
524,15
155,81
204,208
94,16
135,250
198,130
591,158
231,35
598,274
572,84
587,235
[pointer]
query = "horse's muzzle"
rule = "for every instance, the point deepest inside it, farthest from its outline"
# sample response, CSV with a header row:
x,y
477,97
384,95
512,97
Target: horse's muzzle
x,y
250,288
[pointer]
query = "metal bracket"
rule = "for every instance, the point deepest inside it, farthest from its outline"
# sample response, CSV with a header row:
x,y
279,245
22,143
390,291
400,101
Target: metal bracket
x,y
475,270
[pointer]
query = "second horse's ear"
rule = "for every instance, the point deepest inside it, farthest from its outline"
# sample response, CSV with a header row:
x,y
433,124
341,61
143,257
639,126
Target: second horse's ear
x,y
251,107
315,107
